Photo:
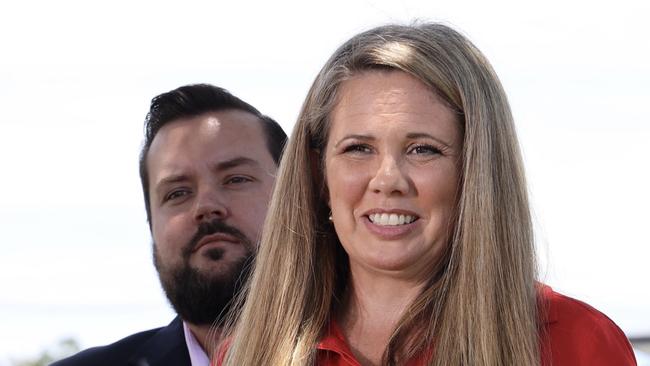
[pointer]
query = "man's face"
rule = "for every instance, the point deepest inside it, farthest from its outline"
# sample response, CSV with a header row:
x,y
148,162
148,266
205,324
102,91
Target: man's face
x,y
210,180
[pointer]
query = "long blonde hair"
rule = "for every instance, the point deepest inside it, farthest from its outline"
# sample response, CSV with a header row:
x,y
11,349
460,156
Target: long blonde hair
x,y
480,305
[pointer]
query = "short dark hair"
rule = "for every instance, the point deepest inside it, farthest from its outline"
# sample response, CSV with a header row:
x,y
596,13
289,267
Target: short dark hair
x,y
191,101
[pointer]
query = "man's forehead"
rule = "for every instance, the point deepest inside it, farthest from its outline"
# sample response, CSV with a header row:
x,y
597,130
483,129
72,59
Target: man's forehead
x,y
213,125
221,139
223,130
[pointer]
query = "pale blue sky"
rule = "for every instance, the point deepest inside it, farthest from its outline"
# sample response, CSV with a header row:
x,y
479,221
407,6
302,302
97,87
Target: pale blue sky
x,y
76,79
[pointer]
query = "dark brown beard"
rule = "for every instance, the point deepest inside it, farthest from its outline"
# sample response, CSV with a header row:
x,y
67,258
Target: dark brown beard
x,y
204,298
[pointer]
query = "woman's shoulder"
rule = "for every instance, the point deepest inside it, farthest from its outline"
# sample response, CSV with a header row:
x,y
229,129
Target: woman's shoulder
x,y
566,311
575,333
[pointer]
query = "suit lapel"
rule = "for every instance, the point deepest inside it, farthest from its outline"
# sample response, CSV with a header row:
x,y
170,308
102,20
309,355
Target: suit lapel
x,y
165,347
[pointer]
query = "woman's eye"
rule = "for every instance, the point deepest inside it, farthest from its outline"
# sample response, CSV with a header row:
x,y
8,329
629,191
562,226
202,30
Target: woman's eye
x,y
357,148
424,150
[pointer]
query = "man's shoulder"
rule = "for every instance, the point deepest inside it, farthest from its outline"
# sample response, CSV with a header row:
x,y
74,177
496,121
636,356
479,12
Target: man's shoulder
x,y
112,354
128,350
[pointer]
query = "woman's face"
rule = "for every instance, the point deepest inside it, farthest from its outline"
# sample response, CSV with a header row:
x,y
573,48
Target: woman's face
x,y
392,161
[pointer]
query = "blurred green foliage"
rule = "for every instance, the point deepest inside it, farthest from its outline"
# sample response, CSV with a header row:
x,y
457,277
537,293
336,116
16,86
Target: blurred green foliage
x,y
64,348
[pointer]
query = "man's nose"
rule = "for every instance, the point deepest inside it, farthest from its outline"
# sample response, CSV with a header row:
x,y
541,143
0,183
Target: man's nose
x,y
210,205
390,177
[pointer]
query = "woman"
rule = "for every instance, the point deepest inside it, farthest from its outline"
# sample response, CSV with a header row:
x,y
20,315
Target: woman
x,y
399,231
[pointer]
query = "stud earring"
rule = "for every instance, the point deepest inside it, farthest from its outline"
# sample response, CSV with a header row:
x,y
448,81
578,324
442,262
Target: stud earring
x,y
330,216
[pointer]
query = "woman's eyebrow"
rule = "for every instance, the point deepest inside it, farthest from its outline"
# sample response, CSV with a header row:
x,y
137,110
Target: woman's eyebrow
x,y
355,137
419,135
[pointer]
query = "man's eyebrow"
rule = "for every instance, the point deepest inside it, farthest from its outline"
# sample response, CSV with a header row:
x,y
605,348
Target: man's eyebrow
x,y
235,162
224,165
172,179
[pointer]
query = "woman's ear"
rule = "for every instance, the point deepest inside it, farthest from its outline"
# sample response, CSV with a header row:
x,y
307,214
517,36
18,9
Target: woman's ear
x,y
317,162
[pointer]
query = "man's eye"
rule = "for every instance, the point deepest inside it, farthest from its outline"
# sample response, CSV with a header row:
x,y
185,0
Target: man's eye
x,y
176,194
238,180
357,148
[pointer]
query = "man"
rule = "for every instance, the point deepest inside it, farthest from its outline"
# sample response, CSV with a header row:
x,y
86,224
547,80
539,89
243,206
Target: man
x,y
207,168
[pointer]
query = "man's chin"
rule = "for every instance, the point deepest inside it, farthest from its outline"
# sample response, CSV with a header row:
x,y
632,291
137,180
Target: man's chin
x,y
214,254
208,269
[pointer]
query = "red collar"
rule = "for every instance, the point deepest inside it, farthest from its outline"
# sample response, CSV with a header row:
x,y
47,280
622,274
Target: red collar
x,y
334,341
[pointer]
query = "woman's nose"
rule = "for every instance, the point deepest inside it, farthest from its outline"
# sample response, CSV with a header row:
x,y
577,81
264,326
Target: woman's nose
x,y
389,178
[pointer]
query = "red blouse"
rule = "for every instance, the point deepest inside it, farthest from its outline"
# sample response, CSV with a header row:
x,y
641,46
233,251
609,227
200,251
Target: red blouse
x,y
576,334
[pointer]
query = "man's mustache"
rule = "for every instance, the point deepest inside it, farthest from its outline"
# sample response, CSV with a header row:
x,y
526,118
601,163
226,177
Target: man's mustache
x,y
213,227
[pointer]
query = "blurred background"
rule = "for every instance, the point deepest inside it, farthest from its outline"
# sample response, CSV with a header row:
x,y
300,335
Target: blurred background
x,y
76,78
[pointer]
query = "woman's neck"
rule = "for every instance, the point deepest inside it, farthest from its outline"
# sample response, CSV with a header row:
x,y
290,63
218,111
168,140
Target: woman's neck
x,y
373,307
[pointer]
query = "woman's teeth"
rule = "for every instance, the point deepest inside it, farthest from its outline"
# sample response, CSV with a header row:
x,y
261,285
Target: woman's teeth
x,y
384,219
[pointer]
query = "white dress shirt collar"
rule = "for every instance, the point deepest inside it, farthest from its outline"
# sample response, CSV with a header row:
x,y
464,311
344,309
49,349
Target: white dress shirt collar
x,y
198,357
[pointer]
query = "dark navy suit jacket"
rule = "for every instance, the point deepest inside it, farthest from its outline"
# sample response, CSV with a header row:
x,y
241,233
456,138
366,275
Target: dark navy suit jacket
x,y
156,347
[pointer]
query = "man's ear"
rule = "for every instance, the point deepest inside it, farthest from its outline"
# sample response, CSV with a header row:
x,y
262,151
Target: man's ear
x,y
318,173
